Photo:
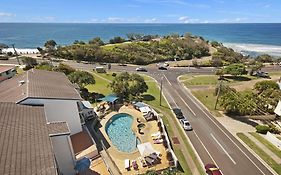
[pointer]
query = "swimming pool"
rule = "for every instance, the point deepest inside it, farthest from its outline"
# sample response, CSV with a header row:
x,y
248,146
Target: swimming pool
x,y
119,131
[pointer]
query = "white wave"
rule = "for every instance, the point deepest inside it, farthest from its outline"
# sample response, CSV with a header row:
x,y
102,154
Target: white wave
x,y
21,51
255,48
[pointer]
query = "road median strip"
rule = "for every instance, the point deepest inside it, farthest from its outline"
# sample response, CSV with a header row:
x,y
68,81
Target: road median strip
x,y
265,157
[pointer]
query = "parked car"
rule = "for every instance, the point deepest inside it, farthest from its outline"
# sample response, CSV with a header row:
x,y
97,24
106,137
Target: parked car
x,y
212,169
141,69
262,74
185,124
178,113
162,68
166,64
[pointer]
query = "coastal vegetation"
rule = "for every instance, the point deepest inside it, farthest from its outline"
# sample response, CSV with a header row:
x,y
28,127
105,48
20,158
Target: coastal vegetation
x,y
140,50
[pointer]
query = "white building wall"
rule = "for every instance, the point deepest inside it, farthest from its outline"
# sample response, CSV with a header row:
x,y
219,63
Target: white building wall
x,y
64,154
60,110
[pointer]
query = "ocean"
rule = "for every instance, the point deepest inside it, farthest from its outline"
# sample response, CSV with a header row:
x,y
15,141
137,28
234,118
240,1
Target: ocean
x,y
245,38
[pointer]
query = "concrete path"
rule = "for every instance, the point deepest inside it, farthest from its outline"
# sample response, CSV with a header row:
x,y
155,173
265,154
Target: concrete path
x,y
264,148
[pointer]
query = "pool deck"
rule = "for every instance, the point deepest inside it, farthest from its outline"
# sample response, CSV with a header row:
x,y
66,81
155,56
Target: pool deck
x,y
150,128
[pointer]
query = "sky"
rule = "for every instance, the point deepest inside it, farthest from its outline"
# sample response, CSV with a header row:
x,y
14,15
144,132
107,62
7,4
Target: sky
x,y
141,11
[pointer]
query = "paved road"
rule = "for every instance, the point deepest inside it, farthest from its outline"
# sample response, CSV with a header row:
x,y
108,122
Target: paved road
x,y
211,140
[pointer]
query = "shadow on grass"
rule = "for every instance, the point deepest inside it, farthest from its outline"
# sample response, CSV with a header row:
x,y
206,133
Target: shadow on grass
x,y
148,97
237,78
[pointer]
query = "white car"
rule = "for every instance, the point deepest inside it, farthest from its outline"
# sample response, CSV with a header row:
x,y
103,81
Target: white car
x,y
185,124
141,69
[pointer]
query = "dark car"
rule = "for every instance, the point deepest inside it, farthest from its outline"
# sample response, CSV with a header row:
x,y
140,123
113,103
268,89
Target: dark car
x,y
162,68
212,169
178,113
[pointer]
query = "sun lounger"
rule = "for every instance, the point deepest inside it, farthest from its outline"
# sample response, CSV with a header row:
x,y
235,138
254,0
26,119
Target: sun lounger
x,y
156,134
127,164
158,141
156,137
158,153
135,164
153,156
143,162
149,160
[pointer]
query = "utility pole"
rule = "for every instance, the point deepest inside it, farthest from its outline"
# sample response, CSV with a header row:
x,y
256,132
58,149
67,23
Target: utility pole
x,y
161,84
219,91
16,53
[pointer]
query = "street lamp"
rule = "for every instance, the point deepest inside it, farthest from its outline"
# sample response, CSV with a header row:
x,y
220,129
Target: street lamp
x,y
161,84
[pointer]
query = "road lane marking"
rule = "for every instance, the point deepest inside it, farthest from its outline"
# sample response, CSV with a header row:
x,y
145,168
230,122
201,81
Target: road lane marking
x,y
210,118
171,98
209,154
186,104
223,149
167,80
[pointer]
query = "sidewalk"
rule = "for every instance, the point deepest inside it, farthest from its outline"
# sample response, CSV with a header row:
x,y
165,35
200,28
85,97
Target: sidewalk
x,y
264,148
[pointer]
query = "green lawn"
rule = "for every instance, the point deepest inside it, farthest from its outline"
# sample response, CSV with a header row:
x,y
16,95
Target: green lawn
x,y
269,145
203,80
260,152
274,73
101,86
152,97
208,98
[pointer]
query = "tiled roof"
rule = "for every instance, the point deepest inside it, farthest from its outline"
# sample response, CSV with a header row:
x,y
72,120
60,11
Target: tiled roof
x,y
25,144
81,141
38,84
5,68
58,128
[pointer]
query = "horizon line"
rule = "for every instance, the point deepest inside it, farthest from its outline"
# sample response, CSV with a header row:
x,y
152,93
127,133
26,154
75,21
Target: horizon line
x,y
138,23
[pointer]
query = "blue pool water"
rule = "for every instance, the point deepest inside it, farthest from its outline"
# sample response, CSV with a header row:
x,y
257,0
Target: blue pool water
x,y
119,131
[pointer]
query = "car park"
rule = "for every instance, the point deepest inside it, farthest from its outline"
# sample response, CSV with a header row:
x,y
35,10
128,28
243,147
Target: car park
x,y
178,113
186,124
212,169
141,69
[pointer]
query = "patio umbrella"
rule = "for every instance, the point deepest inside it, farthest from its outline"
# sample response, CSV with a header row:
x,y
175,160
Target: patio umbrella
x,y
82,165
145,149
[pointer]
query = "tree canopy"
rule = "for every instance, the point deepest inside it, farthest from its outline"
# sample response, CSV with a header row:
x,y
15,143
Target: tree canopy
x,y
82,78
265,85
262,101
128,86
66,69
235,69
96,41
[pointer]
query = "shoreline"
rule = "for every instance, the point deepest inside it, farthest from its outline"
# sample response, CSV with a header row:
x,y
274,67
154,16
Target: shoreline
x,y
244,48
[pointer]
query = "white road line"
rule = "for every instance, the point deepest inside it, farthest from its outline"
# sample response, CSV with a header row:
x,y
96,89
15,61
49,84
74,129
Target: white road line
x,y
186,104
209,154
208,116
223,149
167,80
171,98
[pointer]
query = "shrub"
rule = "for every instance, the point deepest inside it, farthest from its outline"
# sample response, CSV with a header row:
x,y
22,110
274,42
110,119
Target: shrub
x,y
114,74
165,143
159,124
273,129
262,129
160,129
169,156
